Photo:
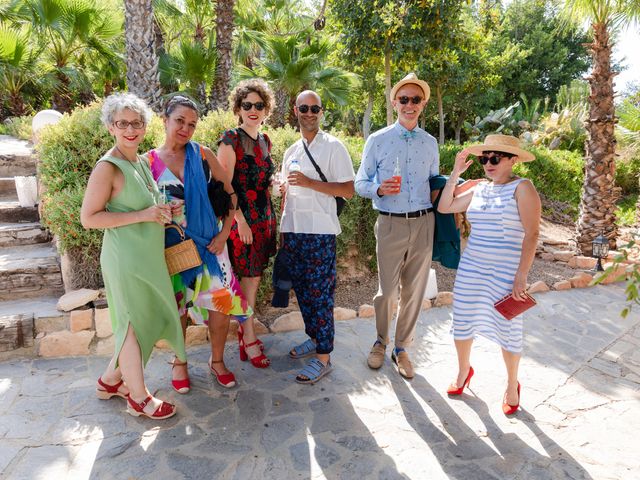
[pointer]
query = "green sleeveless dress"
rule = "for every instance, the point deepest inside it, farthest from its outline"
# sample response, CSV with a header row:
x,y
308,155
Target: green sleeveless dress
x,y
135,275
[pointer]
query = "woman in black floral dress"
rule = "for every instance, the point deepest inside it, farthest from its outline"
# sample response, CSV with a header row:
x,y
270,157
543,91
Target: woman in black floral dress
x,y
246,154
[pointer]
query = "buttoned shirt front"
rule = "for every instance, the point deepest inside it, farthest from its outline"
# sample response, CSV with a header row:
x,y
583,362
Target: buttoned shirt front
x,y
307,210
417,154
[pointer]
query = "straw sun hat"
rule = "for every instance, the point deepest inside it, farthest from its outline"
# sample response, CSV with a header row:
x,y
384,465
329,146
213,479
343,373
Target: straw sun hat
x,y
411,78
502,143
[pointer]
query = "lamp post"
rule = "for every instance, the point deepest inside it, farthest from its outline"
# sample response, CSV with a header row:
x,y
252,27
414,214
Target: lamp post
x,y
600,250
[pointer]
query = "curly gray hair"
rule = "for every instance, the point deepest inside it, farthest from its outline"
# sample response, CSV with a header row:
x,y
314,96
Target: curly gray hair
x,y
119,101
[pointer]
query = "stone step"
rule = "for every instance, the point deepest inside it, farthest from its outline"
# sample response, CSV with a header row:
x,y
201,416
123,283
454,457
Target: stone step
x,y
8,187
29,271
12,212
16,157
47,318
17,234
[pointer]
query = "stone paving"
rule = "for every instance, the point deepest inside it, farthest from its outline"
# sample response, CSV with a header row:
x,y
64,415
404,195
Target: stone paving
x,y
580,411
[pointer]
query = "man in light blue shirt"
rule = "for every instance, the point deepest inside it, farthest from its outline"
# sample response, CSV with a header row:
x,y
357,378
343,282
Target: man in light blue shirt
x,y
397,163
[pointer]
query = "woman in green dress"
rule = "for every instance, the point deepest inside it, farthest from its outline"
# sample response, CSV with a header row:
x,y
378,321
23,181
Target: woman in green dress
x,y
123,199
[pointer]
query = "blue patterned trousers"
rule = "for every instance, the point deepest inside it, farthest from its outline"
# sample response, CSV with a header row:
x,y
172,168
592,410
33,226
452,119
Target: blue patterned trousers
x,y
312,268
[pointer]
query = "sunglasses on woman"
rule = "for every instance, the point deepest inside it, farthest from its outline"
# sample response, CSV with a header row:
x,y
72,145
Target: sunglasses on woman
x,y
415,100
305,108
246,106
493,159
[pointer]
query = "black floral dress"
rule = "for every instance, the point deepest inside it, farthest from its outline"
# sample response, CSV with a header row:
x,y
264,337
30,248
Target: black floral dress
x,y
251,182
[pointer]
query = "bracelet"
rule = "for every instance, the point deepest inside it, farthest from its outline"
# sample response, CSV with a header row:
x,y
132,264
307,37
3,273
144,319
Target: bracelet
x,y
232,193
452,182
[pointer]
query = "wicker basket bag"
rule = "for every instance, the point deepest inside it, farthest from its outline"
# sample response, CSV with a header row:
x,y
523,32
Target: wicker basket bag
x,y
181,256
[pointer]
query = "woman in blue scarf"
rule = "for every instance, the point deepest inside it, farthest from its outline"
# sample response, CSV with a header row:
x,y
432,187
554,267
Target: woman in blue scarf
x,y
210,291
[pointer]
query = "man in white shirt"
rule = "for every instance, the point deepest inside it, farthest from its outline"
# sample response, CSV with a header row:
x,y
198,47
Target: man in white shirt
x,y
309,227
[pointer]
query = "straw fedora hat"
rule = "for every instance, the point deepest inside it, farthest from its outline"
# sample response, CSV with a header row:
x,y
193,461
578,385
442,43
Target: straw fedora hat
x,y
411,78
502,143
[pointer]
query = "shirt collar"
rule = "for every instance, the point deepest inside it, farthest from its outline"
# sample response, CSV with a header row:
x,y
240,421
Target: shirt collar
x,y
317,139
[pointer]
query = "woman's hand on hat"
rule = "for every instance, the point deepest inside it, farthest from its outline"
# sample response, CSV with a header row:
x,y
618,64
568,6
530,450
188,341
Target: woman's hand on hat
x,y
462,162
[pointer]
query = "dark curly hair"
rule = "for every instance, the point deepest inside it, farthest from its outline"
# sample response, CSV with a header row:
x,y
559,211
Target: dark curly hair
x,y
244,88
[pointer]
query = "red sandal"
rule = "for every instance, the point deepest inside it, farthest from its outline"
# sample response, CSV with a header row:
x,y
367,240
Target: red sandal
x,y
241,335
165,410
183,385
227,380
105,391
259,361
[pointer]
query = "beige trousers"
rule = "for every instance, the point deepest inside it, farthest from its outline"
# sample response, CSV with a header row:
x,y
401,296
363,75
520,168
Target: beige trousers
x,y
403,248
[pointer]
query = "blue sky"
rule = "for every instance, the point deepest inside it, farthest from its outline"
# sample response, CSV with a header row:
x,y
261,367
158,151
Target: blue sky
x,y
626,50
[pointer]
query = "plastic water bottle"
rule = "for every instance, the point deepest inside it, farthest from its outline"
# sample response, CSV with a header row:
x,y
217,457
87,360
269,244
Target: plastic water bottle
x,y
294,166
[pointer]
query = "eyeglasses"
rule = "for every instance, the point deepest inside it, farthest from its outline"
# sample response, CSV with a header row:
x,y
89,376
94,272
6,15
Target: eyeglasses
x,y
124,124
306,108
246,106
415,100
493,159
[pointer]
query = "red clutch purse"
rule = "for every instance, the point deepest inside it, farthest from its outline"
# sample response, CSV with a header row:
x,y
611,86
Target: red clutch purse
x,y
509,308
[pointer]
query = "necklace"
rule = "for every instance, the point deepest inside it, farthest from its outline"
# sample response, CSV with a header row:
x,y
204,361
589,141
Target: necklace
x,y
142,175
488,202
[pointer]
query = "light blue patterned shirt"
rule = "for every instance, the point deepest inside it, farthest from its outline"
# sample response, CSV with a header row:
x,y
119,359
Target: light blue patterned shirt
x,y
418,157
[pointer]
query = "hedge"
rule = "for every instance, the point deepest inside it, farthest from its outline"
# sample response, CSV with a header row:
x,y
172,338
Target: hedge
x,y
68,151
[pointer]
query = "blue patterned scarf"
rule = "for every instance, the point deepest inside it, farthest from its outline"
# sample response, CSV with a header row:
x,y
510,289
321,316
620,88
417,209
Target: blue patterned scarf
x,y
202,224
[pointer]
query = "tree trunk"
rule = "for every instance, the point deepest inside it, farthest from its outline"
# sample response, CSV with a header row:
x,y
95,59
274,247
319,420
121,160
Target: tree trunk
x,y
17,107
143,78
599,193
278,116
366,118
61,100
387,85
224,45
458,128
440,115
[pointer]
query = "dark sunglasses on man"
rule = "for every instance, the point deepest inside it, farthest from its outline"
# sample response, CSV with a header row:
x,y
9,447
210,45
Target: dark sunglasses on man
x,y
493,157
246,106
415,100
305,108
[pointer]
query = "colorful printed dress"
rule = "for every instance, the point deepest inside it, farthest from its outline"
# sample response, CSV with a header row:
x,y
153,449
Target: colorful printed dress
x,y
207,292
135,274
251,182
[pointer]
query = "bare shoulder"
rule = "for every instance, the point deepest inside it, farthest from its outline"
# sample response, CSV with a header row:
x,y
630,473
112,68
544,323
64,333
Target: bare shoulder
x,y
526,187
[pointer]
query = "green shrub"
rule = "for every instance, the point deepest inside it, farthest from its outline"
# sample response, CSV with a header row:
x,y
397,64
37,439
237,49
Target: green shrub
x,y
19,127
627,173
626,211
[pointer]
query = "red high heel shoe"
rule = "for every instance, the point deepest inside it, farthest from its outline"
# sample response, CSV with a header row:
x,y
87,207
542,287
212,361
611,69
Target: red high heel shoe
x,y
259,361
227,380
510,409
458,391
241,335
181,386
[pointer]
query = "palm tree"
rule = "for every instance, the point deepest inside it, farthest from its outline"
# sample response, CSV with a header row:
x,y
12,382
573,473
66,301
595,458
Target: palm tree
x,y
73,33
18,60
292,65
224,46
142,58
599,193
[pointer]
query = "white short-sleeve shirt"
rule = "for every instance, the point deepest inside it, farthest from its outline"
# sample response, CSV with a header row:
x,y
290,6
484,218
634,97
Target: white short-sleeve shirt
x,y
306,210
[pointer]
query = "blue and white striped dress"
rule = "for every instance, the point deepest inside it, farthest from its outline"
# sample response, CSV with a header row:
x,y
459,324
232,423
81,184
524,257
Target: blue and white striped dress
x,y
488,266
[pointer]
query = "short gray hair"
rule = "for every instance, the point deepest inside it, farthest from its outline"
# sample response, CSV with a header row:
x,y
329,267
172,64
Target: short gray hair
x,y
117,102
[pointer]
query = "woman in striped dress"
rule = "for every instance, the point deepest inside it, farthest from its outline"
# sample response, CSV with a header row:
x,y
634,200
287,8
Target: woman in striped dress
x,y
505,216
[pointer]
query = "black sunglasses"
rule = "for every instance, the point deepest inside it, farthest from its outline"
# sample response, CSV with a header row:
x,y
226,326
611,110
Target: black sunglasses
x,y
493,159
306,108
246,106
415,100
